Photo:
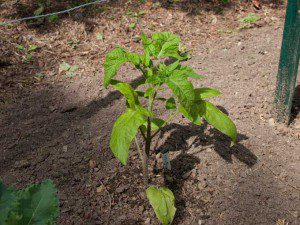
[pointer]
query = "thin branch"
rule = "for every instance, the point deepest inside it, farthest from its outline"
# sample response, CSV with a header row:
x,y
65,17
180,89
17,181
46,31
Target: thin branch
x,y
143,134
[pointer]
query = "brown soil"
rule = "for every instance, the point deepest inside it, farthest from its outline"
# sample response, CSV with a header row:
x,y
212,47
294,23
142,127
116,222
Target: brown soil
x,y
58,127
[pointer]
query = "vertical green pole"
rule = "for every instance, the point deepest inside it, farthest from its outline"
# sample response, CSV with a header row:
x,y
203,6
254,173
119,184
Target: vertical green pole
x,y
289,61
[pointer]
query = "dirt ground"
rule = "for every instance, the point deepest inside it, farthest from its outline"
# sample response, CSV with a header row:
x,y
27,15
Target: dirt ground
x,y
57,126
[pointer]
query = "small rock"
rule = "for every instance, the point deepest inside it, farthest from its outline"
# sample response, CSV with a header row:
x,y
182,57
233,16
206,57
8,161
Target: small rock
x,y
92,163
271,122
148,221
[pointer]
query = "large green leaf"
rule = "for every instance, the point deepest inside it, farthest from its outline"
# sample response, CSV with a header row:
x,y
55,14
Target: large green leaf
x,y
8,202
124,130
129,93
202,93
218,119
162,200
114,60
166,45
182,88
37,205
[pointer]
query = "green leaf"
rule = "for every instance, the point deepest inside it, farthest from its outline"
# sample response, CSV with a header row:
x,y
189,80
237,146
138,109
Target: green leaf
x,y
124,130
187,71
142,12
149,91
53,18
132,25
218,119
64,66
20,47
73,68
170,68
182,88
162,200
202,93
147,44
166,45
133,58
156,124
114,60
8,202
191,113
38,204
250,18
32,48
130,94
170,104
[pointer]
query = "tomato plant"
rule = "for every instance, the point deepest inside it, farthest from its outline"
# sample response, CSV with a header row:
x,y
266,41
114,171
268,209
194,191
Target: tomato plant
x,y
157,76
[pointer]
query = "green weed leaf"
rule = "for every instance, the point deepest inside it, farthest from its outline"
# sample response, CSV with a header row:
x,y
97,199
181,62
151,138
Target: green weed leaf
x,y
162,200
32,48
218,119
64,66
250,18
20,47
124,130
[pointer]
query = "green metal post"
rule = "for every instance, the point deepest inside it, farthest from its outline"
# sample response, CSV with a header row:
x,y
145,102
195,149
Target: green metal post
x,y
289,61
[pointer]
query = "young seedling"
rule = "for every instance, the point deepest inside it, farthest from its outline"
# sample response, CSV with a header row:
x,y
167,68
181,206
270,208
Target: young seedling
x,y
27,51
158,75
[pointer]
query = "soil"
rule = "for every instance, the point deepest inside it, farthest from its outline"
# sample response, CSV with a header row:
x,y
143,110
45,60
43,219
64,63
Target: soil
x,y
55,126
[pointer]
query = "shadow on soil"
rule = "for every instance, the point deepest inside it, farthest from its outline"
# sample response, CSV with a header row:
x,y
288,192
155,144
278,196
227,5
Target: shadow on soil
x,y
185,162
85,15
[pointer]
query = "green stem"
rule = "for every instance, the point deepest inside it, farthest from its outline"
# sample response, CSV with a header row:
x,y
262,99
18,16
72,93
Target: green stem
x,y
148,134
144,160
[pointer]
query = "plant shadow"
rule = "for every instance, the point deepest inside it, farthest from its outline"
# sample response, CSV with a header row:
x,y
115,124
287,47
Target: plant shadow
x,y
204,137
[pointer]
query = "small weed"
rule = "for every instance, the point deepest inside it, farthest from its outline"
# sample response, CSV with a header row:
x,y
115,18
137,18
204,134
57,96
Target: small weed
x,y
27,52
73,44
68,69
100,36
250,18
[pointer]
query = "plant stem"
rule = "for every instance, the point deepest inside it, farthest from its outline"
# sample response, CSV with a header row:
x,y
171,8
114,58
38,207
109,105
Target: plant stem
x,y
148,134
144,160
